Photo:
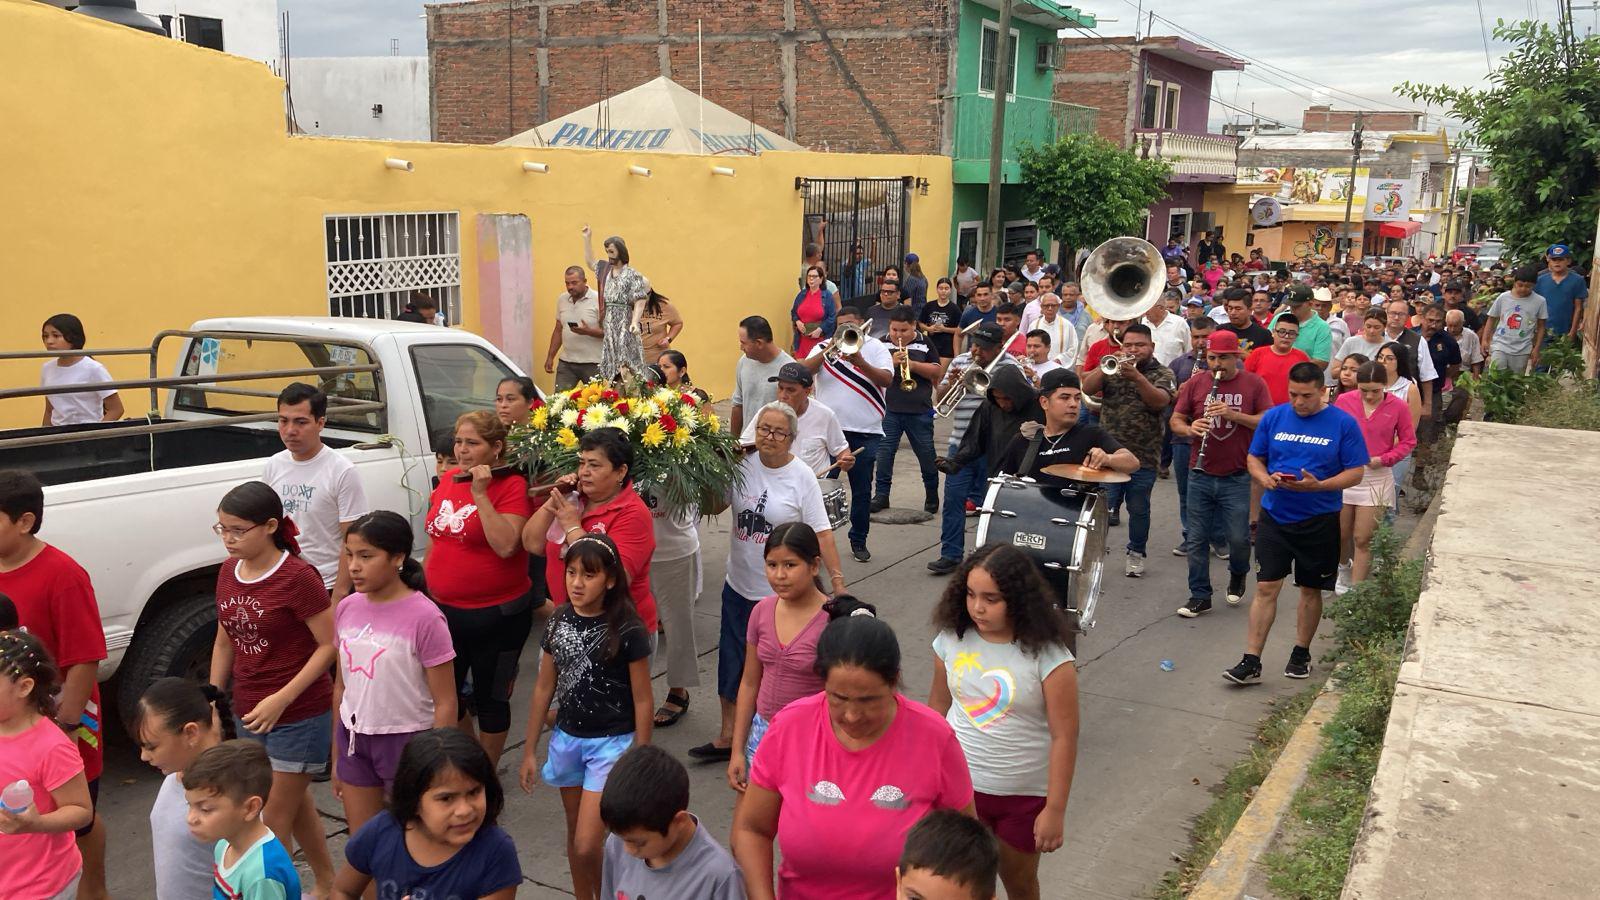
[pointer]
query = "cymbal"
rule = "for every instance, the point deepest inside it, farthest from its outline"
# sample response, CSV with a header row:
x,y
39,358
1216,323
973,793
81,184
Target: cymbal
x,y
1075,472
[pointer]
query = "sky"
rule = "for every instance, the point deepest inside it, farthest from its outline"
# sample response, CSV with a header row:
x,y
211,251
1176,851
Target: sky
x,y
1360,47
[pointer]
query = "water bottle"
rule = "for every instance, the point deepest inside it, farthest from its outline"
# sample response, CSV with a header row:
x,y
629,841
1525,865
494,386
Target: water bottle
x,y
17,797
1167,666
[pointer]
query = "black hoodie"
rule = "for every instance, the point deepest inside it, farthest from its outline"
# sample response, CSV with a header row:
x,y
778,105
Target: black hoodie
x,y
993,428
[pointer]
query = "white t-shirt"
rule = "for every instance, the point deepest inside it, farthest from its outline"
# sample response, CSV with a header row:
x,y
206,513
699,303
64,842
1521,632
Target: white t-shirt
x,y
575,347
78,407
1219,314
1040,370
820,438
751,389
766,499
320,494
676,534
1471,348
1171,338
854,399
183,864
998,711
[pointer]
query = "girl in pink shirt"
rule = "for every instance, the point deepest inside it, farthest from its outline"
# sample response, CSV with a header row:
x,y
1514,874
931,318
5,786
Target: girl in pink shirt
x,y
1386,423
780,659
38,857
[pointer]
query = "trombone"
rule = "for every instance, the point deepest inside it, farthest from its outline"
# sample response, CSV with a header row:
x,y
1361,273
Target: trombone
x,y
972,380
903,369
847,340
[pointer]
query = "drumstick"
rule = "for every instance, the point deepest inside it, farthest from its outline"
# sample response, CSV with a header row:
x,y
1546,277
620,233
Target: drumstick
x,y
824,470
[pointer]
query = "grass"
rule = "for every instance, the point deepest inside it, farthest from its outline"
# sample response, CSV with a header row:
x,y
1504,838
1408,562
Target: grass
x,y
1238,787
1574,406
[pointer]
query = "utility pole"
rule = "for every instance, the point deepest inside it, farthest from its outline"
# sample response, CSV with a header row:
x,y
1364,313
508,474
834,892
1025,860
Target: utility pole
x,y
997,133
1451,221
1350,190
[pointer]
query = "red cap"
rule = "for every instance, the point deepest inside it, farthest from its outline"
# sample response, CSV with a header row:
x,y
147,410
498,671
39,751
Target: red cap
x,y
1222,342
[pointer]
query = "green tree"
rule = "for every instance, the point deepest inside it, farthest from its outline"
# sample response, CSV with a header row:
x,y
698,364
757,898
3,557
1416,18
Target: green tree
x,y
1083,189
1484,204
1539,120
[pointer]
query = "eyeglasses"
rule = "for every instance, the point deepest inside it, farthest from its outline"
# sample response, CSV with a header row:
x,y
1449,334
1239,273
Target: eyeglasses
x,y
769,431
233,534
1284,332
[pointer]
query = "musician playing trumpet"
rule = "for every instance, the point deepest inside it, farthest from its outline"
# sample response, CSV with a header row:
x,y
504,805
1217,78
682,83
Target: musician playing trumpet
x,y
909,409
1218,409
853,385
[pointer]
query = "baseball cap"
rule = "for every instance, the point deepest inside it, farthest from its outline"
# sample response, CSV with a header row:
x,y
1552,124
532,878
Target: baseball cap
x,y
1194,301
1222,342
912,257
1300,293
794,372
1056,379
990,335
1558,251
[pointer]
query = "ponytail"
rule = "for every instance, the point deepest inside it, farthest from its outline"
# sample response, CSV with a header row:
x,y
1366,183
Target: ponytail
x,y
391,533
176,702
411,576
846,605
257,503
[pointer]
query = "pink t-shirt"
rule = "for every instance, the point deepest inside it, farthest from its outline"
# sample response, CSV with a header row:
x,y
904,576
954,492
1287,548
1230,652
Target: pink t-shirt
x,y
1388,432
787,672
384,649
38,865
846,813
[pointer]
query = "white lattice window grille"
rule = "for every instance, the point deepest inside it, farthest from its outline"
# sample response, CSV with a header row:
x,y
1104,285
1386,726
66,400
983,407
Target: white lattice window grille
x,y
376,263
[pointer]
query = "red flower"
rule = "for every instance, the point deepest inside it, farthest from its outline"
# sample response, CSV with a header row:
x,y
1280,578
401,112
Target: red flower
x,y
579,422
668,423
621,408
609,396
688,400
537,402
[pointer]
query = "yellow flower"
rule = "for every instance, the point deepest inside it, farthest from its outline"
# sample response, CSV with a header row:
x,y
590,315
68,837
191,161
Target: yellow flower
x,y
567,439
654,436
712,422
680,437
540,417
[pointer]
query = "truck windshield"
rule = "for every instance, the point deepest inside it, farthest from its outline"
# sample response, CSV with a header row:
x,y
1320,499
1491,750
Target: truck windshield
x,y
267,353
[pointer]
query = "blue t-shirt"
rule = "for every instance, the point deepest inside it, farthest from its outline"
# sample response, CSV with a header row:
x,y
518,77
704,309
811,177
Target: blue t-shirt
x,y
1323,444
262,872
973,313
487,863
1560,300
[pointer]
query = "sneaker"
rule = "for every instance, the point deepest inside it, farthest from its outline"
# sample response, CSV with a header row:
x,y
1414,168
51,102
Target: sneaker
x,y
1235,587
1195,607
861,553
1164,473
1220,552
1247,671
972,509
931,505
880,503
944,565
1342,586
1115,518
1299,665
1135,567
1180,550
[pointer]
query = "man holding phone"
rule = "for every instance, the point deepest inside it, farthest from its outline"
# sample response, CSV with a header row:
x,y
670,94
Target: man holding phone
x,y
1303,455
577,333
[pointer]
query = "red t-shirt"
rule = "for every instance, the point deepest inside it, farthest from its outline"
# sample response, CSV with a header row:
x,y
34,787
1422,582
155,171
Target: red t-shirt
x,y
626,520
1229,443
1274,369
265,618
1097,351
462,569
55,602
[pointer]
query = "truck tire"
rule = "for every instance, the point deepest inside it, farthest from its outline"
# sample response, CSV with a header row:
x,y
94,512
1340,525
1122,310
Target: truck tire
x,y
176,641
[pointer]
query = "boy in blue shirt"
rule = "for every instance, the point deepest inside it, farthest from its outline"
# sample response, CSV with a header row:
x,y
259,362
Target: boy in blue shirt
x,y
1303,455
227,788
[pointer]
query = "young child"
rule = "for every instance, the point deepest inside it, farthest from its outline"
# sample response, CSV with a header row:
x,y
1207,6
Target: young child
x,y
444,453
438,838
227,787
275,647
37,855
55,602
178,720
1514,328
1007,684
396,675
596,663
781,641
657,849
949,855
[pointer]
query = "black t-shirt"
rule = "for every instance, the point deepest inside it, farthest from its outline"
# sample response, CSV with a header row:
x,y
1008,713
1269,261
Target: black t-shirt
x,y
595,693
949,314
921,399
1445,353
1250,337
1069,447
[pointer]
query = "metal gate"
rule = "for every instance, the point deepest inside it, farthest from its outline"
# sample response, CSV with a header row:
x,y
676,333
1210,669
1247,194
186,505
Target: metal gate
x,y
869,212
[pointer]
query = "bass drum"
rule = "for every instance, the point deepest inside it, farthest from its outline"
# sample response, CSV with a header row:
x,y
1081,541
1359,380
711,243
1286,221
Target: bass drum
x,y
1063,530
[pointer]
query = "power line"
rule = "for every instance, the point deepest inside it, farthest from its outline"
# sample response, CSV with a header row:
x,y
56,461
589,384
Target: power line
x,y
1483,29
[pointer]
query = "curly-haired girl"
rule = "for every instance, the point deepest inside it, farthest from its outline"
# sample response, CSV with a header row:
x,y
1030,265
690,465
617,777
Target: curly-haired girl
x,y
1005,680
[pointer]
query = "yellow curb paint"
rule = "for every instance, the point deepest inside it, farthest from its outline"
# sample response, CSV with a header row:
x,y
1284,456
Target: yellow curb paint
x,y
1224,878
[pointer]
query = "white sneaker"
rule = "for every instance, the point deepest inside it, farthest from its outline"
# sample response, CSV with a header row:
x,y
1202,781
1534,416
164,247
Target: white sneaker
x,y
1342,586
1135,567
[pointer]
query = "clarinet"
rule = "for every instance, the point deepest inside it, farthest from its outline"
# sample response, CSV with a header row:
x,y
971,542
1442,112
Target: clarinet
x,y
1200,455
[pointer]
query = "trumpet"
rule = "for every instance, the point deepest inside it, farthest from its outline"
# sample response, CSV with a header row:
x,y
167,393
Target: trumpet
x,y
972,380
903,369
847,340
1110,364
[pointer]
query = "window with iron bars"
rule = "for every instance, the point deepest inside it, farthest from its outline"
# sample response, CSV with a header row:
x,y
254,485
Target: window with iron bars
x,y
377,264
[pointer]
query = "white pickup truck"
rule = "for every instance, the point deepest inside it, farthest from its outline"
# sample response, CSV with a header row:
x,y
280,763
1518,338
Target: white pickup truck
x,y
134,501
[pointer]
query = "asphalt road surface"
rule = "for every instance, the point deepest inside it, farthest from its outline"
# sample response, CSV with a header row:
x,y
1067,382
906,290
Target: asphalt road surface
x,y
1152,745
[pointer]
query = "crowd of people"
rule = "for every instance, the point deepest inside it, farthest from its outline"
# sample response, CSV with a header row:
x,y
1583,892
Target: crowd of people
x,y
1285,403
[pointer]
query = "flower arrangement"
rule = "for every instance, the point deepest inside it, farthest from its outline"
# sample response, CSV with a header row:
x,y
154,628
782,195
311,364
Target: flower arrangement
x,y
680,452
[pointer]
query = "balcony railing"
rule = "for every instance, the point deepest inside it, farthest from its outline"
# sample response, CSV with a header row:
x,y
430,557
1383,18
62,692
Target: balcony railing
x,y
1194,157
1029,120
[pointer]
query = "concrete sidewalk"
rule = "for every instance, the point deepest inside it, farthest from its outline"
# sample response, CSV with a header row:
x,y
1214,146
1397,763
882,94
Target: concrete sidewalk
x,y
1489,783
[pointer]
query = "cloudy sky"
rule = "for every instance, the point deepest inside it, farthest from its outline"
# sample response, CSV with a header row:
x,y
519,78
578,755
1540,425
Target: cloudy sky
x,y
1355,47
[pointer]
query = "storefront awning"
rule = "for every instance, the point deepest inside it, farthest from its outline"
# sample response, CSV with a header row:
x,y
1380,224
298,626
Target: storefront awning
x,y
1399,230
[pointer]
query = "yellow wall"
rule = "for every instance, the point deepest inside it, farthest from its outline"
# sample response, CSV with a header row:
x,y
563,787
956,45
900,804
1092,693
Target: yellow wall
x,y
150,183
1232,211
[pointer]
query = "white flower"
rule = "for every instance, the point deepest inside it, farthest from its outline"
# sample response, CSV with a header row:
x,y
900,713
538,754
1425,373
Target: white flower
x,y
687,418
596,421
664,395
646,409
569,417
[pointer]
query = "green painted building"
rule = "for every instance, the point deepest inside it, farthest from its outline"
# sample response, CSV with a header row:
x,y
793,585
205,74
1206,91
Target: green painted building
x,y
1032,116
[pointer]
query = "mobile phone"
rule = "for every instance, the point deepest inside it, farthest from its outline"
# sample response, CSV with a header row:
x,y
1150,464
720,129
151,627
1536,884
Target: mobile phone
x,y
573,325
1287,476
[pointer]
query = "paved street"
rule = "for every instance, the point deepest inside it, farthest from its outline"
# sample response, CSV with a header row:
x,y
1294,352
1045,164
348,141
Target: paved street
x,y
1153,742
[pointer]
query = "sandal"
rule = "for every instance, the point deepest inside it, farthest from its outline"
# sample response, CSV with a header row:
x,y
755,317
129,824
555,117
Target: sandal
x,y
666,716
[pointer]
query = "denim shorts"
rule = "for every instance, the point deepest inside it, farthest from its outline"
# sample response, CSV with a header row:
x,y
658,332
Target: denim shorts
x,y
297,748
582,762
758,730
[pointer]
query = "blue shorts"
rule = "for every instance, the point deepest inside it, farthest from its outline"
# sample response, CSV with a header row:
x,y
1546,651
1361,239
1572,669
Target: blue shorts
x,y
758,730
582,762
297,748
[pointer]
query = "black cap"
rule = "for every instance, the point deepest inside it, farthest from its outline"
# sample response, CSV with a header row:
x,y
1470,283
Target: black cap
x,y
795,372
1300,293
989,335
1056,379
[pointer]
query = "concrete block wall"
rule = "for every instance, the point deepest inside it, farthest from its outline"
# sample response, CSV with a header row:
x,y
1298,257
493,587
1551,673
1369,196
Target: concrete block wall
x,y
1103,76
